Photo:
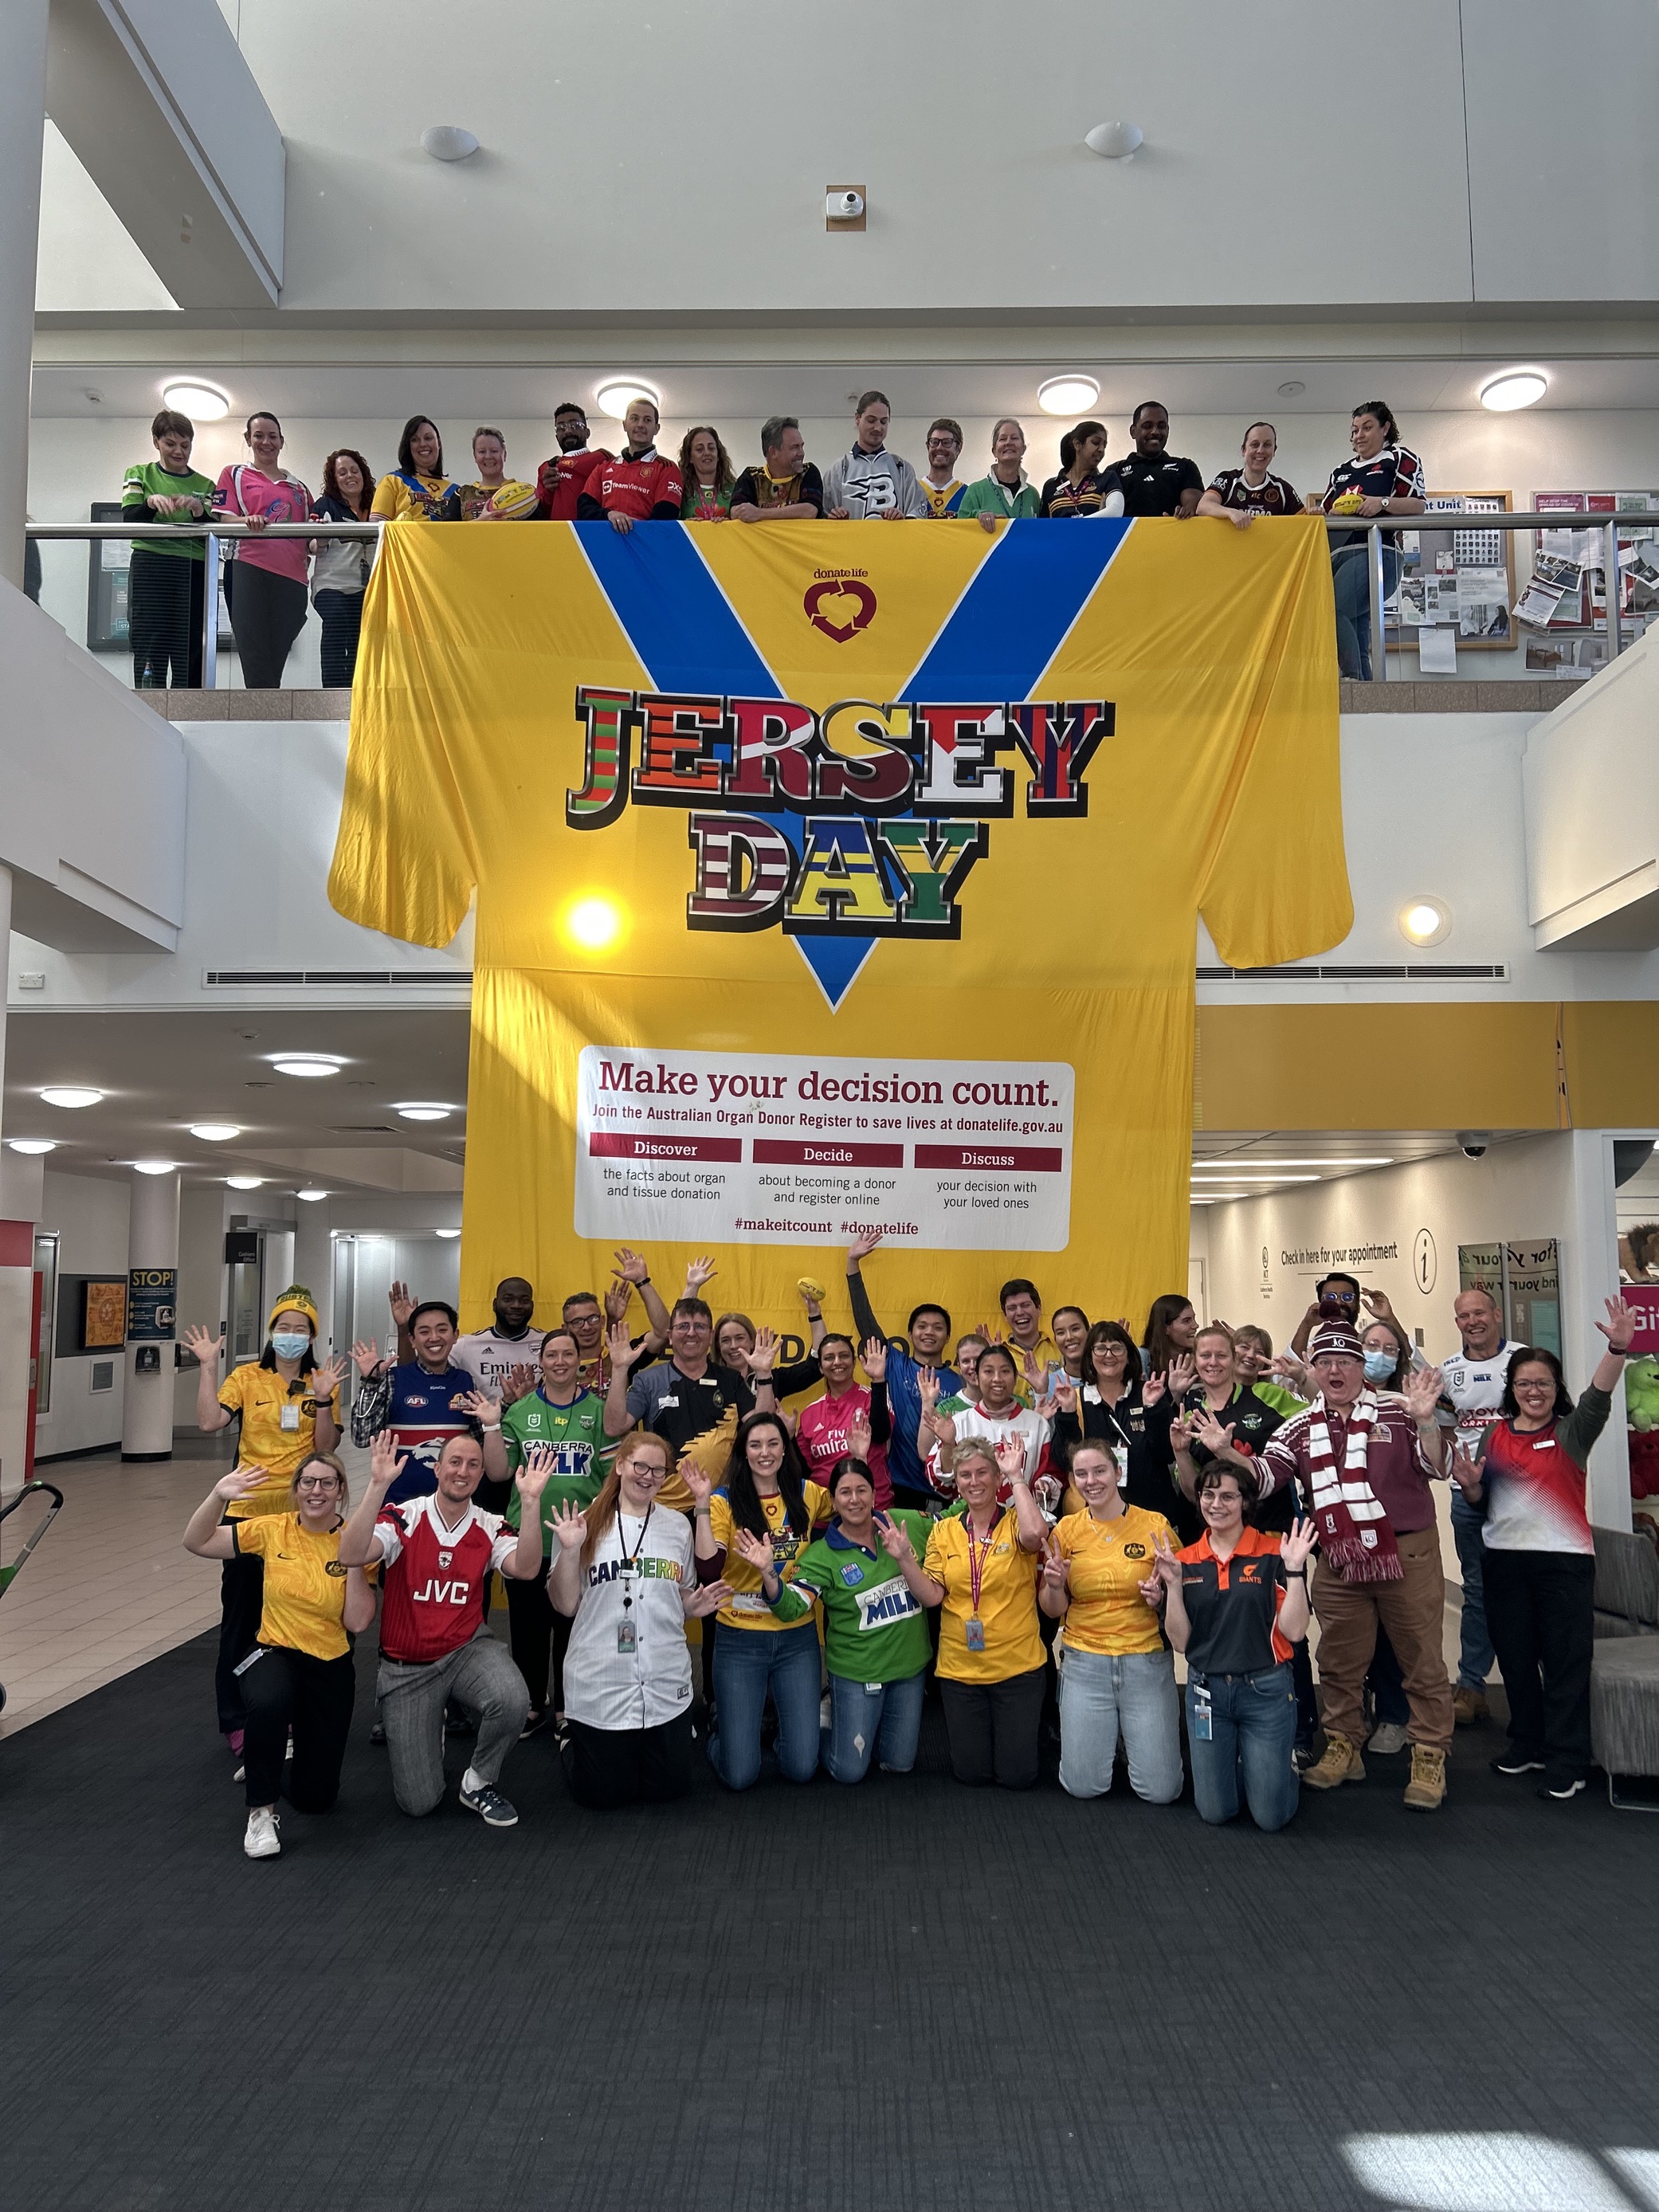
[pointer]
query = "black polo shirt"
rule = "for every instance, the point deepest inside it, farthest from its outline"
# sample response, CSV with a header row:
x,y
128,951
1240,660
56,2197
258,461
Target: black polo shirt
x,y
679,1407
1233,1606
1153,488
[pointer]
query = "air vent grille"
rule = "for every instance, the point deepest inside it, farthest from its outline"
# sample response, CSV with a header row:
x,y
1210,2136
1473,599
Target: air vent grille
x,y
1420,971
340,978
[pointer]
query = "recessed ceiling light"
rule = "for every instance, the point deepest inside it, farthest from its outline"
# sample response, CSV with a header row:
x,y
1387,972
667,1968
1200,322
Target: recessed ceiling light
x,y
244,1183
154,1167
70,1094
446,1233
311,1197
617,394
1516,387
448,142
1424,921
305,1063
1068,395
203,403
423,1109
1256,1160
216,1133
1115,142
32,1143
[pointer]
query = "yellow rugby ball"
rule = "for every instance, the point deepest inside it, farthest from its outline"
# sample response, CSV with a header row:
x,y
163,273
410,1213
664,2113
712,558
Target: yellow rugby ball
x,y
811,1288
1349,503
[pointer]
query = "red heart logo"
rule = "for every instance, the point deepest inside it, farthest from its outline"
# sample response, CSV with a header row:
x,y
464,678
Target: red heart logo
x,y
862,613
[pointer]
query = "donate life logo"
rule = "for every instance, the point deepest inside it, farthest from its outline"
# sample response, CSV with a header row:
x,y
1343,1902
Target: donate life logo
x,y
840,604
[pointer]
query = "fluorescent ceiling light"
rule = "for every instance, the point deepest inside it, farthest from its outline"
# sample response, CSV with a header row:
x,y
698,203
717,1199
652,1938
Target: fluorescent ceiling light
x,y
70,1094
311,1197
423,1109
617,394
244,1183
155,1167
1255,1160
446,1233
216,1133
305,1063
32,1143
203,403
1198,1176
1516,387
1068,395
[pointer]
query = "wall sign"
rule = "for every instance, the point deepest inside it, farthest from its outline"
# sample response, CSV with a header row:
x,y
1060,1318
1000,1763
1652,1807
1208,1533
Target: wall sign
x,y
152,1304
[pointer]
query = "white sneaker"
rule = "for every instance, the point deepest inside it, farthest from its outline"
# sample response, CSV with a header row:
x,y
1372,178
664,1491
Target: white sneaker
x,y
261,1841
1386,1739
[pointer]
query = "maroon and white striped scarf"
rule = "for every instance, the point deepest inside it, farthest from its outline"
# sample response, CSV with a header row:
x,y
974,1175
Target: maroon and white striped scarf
x,y
1354,1535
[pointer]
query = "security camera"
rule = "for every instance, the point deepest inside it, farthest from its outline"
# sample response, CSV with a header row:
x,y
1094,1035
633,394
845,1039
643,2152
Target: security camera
x,y
1471,1144
843,207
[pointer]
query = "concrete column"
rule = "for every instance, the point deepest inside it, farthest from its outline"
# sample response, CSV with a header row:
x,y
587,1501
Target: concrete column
x,y
313,1266
22,128
152,1242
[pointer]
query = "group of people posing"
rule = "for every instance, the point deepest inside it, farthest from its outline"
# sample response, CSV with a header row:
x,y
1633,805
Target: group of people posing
x,y
1036,1519
266,582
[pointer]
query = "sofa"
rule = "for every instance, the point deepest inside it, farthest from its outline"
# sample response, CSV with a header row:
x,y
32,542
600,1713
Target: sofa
x,y
1624,1672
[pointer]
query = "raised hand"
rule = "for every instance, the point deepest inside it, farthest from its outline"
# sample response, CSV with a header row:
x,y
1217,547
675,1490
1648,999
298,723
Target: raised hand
x,y
325,1378
894,1541
1054,1563
1046,1407
1034,1374
939,1426
1065,1395
697,1480
1376,1304
1011,1457
698,1271
366,1356
755,1552
1153,1389
616,1302
762,1358
1620,1327
1289,1370
1465,1470
874,1357
630,1267
1181,1436
1152,1589
240,1482
481,1406
623,1354
1168,1567
203,1344
386,1461
1182,1374
1421,1393
540,1464
706,1598
401,1299
928,1385
857,1439
568,1524
1298,1544
1209,1431
521,1381
860,1247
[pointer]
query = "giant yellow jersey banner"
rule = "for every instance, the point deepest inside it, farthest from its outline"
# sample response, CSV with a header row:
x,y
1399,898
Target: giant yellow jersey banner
x,y
841,876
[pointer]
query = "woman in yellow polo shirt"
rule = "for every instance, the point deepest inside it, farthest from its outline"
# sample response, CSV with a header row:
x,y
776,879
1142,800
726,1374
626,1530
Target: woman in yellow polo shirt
x,y
981,1568
288,1406
1116,1672
299,1673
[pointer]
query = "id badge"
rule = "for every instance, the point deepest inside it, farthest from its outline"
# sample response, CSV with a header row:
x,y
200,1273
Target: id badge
x,y
1120,1454
627,1635
290,1416
1202,1718
975,1631
253,1659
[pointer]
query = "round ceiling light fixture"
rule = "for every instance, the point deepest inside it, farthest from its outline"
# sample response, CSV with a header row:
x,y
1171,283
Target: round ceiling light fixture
x,y
1068,395
311,1197
446,1233
203,403
216,1133
71,1095
155,1167
32,1143
1115,142
1516,387
244,1183
306,1063
617,394
423,1109
1425,921
1293,389
448,142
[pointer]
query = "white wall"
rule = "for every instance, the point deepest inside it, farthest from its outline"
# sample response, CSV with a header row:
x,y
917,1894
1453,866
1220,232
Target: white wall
x,y
89,1214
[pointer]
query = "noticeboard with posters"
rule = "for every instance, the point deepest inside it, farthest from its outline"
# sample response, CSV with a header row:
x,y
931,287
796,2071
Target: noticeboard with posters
x,y
1562,611
1457,578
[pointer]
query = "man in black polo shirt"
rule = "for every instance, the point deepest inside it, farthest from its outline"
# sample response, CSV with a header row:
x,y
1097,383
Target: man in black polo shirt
x,y
1152,480
683,1397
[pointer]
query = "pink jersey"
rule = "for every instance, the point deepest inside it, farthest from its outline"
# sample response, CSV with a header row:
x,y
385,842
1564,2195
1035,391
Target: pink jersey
x,y
434,1577
244,489
822,1436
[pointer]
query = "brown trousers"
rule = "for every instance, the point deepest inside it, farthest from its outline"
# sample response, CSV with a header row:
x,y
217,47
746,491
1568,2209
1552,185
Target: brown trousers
x,y
1414,1613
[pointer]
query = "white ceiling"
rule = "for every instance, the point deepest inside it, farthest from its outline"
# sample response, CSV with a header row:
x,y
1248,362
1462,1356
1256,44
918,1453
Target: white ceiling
x,y
1327,1155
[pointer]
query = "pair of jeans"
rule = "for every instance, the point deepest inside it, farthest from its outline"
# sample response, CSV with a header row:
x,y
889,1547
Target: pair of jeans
x,y
881,1720
1351,585
282,1689
342,617
993,1729
1248,1751
608,1767
1133,1693
750,1664
1541,1610
1474,1652
479,1675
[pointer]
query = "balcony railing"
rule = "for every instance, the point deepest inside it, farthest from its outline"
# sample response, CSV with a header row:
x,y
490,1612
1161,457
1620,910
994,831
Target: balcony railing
x,y
105,616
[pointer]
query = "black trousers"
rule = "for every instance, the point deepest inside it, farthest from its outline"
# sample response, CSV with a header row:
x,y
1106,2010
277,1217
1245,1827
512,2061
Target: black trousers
x,y
537,1630
608,1767
1540,1610
342,615
242,1602
283,1689
993,1728
267,614
167,594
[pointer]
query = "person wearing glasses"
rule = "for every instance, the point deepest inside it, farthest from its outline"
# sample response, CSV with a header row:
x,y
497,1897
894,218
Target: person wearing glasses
x,y
299,1677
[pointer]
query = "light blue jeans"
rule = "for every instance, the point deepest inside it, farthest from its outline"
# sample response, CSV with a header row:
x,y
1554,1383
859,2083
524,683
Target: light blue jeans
x,y
1099,1696
1351,584
1474,1653
1252,1728
881,1720
751,1664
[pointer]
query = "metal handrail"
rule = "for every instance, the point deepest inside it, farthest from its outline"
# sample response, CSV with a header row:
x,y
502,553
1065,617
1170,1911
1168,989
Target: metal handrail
x,y
1530,520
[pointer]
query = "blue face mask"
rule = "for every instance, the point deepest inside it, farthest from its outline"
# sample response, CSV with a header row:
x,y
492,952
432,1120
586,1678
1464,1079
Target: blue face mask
x,y
1379,1366
291,1344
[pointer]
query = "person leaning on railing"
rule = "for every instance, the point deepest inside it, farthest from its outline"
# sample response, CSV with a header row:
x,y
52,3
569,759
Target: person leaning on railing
x,y
268,600
340,574
165,582
1383,477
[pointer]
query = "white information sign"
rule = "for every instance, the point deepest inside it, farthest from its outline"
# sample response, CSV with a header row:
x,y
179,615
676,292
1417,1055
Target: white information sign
x,y
713,1148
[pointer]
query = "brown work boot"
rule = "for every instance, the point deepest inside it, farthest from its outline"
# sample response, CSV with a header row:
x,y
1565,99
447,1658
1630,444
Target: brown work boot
x,y
1427,1790
1340,1763
1469,1706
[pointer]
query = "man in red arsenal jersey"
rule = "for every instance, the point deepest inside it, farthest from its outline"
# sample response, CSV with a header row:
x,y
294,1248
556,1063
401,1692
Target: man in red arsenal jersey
x,y
640,485
559,481
435,1552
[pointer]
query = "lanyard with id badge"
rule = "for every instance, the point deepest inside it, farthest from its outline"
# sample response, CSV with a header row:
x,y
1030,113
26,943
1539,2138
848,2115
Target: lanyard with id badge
x,y
1203,1717
628,1629
973,1627
289,1416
